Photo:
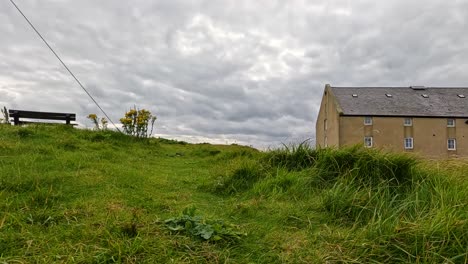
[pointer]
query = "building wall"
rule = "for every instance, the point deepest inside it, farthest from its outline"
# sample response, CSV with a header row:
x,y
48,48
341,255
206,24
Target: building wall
x,y
461,129
328,135
429,135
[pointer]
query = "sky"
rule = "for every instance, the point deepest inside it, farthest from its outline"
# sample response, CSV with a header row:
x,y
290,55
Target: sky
x,y
228,71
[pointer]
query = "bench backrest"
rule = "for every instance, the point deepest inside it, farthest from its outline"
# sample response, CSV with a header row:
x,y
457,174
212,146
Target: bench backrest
x,y
16,114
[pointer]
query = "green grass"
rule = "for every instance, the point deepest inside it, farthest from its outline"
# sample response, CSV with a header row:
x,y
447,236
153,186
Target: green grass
x,y
76,196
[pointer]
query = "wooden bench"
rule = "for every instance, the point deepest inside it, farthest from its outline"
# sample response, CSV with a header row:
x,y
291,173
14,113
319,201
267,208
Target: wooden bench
x,y
15,116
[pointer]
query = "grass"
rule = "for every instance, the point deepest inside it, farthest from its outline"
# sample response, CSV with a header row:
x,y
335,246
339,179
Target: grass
x,y
69,195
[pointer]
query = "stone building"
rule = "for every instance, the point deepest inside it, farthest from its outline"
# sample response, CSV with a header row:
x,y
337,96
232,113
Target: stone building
x,y
431,121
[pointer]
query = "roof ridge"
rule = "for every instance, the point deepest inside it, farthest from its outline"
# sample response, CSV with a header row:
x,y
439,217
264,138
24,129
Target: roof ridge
x,y
403,87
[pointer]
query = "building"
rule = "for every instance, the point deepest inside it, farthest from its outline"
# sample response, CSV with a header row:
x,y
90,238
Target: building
x,y
431,121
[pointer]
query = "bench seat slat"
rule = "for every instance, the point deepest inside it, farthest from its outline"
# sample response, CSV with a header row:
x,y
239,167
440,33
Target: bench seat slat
x,y
41,115
72,118
32,123
16,114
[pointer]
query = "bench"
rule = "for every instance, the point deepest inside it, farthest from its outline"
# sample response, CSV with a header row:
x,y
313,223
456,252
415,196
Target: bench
x,y
15,116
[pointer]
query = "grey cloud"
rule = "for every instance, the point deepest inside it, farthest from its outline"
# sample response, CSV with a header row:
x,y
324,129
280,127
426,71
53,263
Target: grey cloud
x,y
241,71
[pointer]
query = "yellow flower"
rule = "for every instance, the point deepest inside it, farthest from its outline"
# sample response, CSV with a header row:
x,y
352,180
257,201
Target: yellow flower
x,y
92,116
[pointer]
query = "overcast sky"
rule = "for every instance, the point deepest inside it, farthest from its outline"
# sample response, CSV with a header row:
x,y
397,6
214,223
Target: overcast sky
x,y
240,71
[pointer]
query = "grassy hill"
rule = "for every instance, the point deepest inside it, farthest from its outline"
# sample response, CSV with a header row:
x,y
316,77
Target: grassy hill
x,y
69,195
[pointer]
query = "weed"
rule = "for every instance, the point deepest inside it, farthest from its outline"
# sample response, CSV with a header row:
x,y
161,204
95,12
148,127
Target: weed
x,y
198,226
6,116
99,124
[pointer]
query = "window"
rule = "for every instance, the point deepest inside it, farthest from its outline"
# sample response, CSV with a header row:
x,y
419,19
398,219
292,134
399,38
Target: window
x,y
451,144
367,120
418,87
450,122
389,95
368,142
355,95
425,95
461,95
408,143
408,121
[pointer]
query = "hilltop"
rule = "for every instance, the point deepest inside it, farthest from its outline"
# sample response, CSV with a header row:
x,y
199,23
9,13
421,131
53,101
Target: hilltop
x,y
69,195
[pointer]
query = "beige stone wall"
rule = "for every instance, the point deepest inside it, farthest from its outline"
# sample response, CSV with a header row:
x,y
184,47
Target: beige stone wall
x,y
382,130
429,134
329,112
461,130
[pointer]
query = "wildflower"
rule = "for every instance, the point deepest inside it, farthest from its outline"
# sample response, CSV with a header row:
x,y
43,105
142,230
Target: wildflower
x,y
136,122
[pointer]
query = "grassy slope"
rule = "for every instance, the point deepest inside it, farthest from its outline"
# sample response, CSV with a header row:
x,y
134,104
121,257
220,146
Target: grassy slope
x,y
68,195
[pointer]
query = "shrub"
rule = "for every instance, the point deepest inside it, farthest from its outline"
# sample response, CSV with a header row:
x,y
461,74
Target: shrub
x,y
98,125
136,123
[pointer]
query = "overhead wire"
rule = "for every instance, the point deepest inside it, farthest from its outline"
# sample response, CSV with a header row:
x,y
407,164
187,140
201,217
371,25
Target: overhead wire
x,y
64,65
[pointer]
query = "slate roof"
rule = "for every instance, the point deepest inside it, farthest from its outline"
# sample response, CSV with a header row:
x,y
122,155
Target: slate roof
x,y
404,101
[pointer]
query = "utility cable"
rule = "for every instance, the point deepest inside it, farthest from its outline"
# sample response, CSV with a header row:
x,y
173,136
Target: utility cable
x,y
64,65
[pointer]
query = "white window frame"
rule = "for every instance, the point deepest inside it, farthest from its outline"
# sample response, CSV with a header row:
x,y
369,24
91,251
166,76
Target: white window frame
x,y
408,143
368,120
370,140
410,123
450,122
454,144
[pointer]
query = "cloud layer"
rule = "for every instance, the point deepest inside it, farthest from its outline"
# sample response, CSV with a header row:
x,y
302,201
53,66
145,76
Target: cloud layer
x,y
248,72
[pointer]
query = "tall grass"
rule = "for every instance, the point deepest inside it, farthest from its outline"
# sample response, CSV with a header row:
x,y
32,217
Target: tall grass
x,y
390,207
243,177
293,157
